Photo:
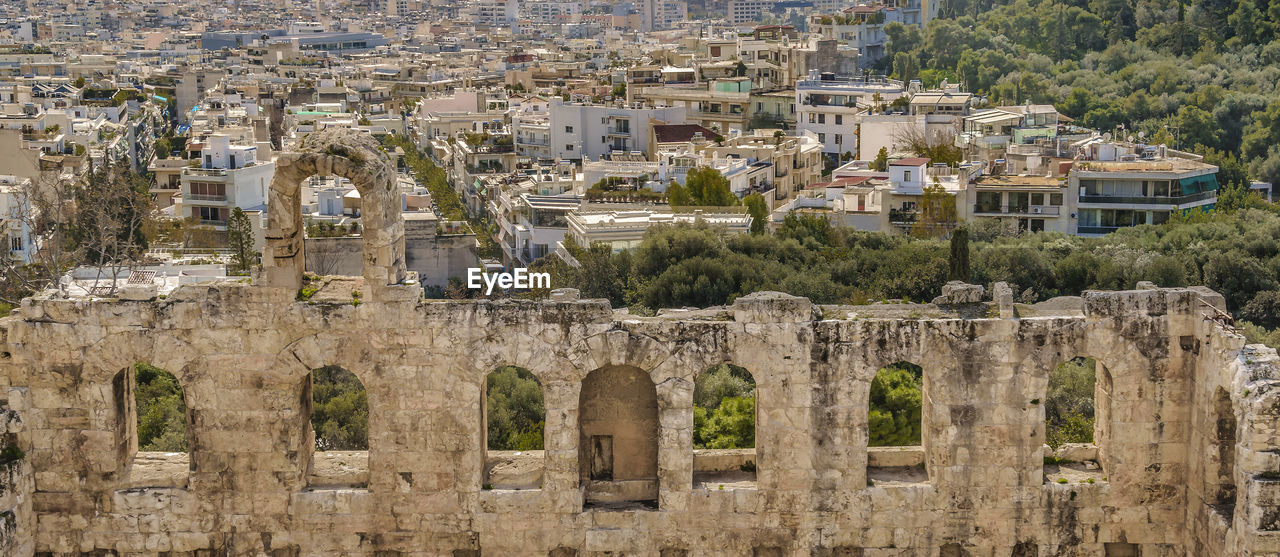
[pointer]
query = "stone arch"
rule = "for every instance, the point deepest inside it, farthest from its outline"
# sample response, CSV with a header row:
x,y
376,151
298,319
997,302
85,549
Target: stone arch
x,y
617,347
295,365
618,435
357,157
110,361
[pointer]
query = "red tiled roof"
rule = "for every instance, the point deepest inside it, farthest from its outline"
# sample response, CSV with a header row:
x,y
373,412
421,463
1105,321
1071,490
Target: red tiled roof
x,y
911,161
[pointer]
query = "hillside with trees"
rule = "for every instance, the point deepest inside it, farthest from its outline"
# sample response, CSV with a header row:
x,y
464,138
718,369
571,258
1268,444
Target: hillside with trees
x,y
1198,76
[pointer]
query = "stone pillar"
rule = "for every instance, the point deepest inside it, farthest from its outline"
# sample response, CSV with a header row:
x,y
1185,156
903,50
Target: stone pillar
x,y
675,444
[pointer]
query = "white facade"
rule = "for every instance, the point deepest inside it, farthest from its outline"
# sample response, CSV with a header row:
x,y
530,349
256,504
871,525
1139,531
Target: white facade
x,y
591,131
830,108
15,207
229,176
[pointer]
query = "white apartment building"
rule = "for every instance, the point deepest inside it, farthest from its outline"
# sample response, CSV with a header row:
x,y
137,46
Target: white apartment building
x,y
748,11
829,107
624,228
495,13
16,212
228,176
581,131
551,11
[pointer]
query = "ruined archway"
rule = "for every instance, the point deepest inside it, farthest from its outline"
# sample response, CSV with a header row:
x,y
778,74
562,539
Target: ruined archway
x,y
352,155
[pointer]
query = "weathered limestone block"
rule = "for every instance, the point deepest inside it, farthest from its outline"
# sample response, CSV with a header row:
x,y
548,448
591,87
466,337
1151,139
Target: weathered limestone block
x,y
957,292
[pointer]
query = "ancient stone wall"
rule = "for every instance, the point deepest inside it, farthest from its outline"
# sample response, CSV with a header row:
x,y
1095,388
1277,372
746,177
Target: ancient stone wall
x,y
1185,397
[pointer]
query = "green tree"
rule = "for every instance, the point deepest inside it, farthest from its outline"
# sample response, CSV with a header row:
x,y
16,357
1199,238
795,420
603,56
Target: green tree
x,y
759,211
161,410
959,262
240,241
708,187
895,401
881,162
514,410
937,213
678,195
339,410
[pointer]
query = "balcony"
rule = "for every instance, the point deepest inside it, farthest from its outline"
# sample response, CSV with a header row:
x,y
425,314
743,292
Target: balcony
x,y
197,197
991,209
903,216
1150,200
204,172
618,131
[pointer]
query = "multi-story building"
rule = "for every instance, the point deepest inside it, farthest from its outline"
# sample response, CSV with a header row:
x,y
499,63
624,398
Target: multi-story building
x,y
1122,185
860,27
748,11
829,107
721,104
623,227
1027,203
793,162
16,218
495,13
552,11
581,131
227,176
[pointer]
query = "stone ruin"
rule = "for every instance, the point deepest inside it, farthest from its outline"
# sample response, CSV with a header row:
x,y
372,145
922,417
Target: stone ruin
x,y
1187,445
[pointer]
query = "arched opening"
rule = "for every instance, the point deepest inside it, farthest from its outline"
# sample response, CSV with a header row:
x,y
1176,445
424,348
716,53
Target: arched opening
x,y
1222,483
1074,421
514,420
618,438
724,428
152,413
339,428
895,454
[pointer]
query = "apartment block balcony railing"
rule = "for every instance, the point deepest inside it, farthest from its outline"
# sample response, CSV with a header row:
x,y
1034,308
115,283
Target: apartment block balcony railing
x,y
205,171
991,209
902,216
198,197
1150,200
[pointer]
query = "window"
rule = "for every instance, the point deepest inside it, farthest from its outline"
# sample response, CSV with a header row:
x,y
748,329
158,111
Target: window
x,y
906,176
895,419
837,139
1055,199
1073,424
568,129
822,138
839,119
1037,199
812,118
724,425
822,118
340,426
568,147
514,418
15,243
153,422
210,214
